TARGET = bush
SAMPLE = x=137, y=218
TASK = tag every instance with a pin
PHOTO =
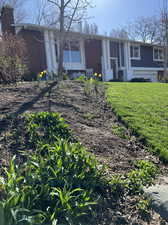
x=140, y=79
x=12, y=59
x=116, y=80
x=46, y=127
x=133, y=182
x=82, y=78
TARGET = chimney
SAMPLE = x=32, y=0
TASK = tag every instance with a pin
x=7, y=20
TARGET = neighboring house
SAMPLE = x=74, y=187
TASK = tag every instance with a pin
x=112, y=57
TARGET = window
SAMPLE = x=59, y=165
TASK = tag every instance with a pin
x=158, y=54
x=72, y=52
x=135, y=52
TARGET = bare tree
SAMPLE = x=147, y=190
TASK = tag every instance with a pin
x=45, y=14
x=119, y=33
x=18, y=5
x=69, y=12
x=145, y=29
x=90, y=28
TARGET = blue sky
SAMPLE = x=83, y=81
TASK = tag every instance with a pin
x=109, y=14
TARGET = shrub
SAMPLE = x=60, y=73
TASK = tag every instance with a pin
x=134, y=181
x=12, y=59
x=81, y=78
x=116, y=80
x=140, y=79
x=46, y=127
x=142, y=176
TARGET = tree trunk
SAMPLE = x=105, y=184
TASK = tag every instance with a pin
x=61, y=47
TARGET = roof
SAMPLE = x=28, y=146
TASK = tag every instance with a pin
x=84, y=35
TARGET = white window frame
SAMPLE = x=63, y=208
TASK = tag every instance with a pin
x=139, y=51
x=70, y=55
x=158, y=60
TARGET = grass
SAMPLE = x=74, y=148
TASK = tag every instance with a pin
x=143, y=107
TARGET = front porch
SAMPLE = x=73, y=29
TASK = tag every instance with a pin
x=82, y=54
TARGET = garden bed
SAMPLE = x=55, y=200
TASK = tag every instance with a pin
x=91, y=121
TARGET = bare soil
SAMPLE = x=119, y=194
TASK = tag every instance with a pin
x=91, y=120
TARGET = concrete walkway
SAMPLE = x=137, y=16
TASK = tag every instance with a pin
x=159, y=196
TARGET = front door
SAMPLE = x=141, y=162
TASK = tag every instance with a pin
x=114, y=67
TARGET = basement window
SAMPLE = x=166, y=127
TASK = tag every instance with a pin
x=158, y=54
x=72, y=53
x=135, y=52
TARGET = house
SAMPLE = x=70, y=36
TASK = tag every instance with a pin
x=114, y=58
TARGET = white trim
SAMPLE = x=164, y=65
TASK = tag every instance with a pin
x=139, y=51
x=78, y=65
x=122, y=68
x=106, y=71
x=53, y=52
x=117, y=68
x=157, y=60
x=82, y=49
x=120, y=56
x=104, y=60
x=102, y=37
x=108, y=54
x=128, y=70
x=17, y=29
x=129, y=56
x=148, y=68
x=47, y=50
x=126, y=56
x=147, y=74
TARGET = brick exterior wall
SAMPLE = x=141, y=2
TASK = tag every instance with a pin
x=36, y=57
x=93, y=54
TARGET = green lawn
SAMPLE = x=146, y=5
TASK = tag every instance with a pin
x=144, y=108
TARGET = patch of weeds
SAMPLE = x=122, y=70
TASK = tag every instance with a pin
x=65, y=77
x=91, y=87
x=81, y=78
x=46, y=127
x=89, y=116
x=143, y=175
x=120, y=131
x=63, y=85
x=134, y=181
x=144, y=207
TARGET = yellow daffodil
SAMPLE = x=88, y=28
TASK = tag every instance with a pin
x=100, y=75
x=95, y=74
